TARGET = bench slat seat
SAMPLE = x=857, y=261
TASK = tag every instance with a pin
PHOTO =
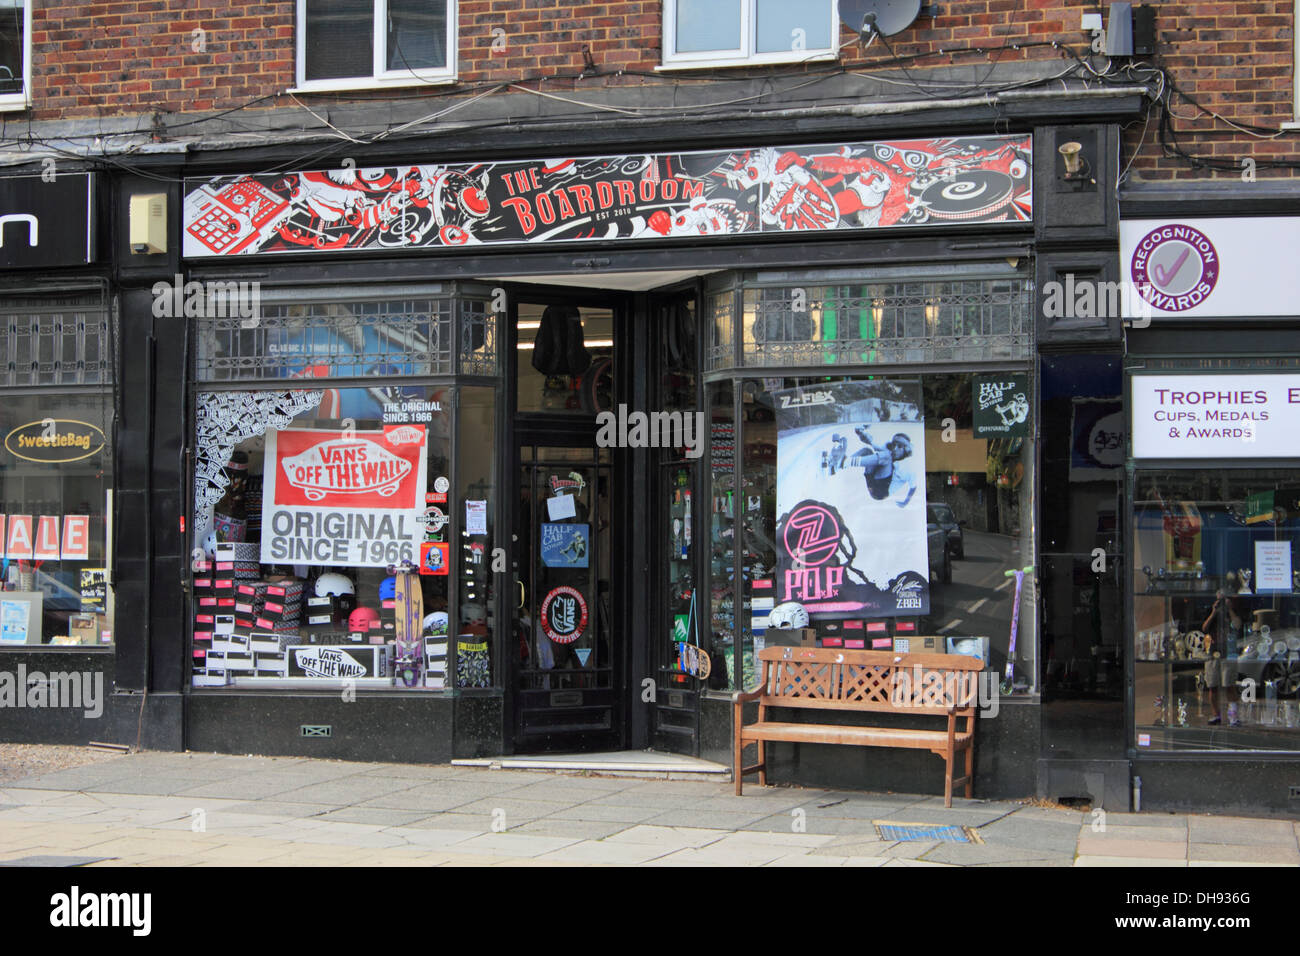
x=862, y=736
x=824, y=680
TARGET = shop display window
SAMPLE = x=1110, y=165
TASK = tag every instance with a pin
x=56, y=518
x=882, y=513
x=323, y=524
x=1216, y=605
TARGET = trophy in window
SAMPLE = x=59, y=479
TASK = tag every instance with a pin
x=1245, y=575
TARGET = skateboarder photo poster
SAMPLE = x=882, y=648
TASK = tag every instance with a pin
x=851, y=532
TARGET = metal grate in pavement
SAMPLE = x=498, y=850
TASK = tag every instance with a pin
x=924, y=832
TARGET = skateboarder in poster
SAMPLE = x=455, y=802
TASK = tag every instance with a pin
x=883, y=468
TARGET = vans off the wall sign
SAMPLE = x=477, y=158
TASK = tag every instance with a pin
x=979, y=179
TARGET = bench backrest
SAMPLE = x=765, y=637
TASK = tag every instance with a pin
x=869, y=680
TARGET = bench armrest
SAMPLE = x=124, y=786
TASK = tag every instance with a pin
x=740, y=696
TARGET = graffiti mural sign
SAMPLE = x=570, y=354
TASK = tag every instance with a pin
x=867, y=185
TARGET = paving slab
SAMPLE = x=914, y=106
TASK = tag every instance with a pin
x=512, y=844
x=377, y=816
x=1240, y=831
x=605, y=852
x=573, y=829
x=602, y=814
x=968, y=854
x=1098, y=860
x=1254, y=853
x=1100, y=844
x=1032, y=833
x=1160, y=834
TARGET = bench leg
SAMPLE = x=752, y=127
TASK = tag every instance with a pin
x=762, y=763
x=947, y=780
x=738, y=773
x=970, y=771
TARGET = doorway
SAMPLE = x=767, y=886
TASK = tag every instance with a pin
x=567, y=682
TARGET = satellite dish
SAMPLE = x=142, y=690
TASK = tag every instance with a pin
x=889, y=16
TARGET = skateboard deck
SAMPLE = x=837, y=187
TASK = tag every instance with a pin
x=693, y=660
x=408, y=602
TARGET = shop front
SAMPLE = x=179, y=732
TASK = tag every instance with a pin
x=1214, y=495
x=57, y=607
x=536, y=456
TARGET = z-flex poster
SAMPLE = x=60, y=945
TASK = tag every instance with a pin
x=344, y=498
x=851, y=533
x=864, y=185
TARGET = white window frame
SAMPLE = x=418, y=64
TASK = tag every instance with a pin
x=379, y=78
x=10, y=102
x=1295, y=70
x=745, y=55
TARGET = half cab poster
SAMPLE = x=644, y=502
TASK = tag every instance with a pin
x=864, y=185
x=851, y=533
x=343, y=498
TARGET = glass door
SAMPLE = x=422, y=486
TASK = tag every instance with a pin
x=567, y=693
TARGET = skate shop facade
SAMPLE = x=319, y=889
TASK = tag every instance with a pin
x=1210, y=381
x=58, y=461
x=468, y=452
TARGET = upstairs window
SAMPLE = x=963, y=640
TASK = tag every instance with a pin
x=704, y=33
x=15, y=53
x=348, y=44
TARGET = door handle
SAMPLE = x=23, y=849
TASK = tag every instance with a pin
x=522, y=599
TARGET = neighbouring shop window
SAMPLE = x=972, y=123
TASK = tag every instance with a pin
x=323, y=527
x=56, y=510
x=737, y=32
x=1216, y=614
x=354, y=43
x=15, y=53
x=881, y=512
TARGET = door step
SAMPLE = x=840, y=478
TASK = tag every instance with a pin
x=623, y=763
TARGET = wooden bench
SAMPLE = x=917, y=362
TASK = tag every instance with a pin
x=828, y=680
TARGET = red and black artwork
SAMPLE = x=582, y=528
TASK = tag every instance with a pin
x=729, y=193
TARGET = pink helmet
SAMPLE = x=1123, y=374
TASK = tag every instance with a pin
x=362, y=619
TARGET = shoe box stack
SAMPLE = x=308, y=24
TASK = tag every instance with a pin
x=435, y=662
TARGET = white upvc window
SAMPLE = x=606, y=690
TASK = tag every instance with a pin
x=15, y=54
x=360, y=44
x=707, y=33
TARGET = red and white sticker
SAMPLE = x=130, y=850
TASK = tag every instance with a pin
x=564, y=615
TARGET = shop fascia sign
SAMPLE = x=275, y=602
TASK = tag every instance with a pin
x=747, y=191
x=47, y=220
x=1215, y=416
x=1210, y=267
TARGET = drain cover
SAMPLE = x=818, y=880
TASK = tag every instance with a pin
x=925, y=832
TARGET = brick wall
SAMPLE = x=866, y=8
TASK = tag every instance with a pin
x=138, y=57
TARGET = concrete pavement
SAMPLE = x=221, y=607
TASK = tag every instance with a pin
x=159, y=809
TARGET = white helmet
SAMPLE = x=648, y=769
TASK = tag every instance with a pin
x=435, y=624
x=334, y=584
x=787, y=615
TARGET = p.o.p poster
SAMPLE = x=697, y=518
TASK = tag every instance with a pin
x=851, y=533
x=343, y=498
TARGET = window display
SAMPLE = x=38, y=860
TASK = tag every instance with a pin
x=873, y=508
x=56, y=519
x=1216, y=612
x=322, y=524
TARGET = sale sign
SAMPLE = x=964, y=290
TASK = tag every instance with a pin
x=45, y=537
x=343, y=498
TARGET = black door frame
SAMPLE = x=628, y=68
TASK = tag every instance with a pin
x=628, y=565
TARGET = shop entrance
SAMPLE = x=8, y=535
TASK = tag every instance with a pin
x=567, y=694
x=567, y=680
